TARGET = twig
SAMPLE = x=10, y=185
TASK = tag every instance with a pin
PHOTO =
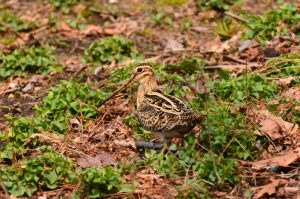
x=243, y=148
x=236, y=17
x=232, y=66
x=214, y=163
x=235, y=59
x=216, y=172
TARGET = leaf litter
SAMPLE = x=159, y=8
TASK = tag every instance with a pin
x=106, y=140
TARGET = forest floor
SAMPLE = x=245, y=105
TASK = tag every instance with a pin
x=238, y=62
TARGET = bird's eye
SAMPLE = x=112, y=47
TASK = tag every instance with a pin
x=139, y=70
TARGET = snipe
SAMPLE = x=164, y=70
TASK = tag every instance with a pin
x=164, y=115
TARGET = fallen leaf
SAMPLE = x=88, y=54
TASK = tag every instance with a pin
x=283, y=160
x=291, y=190
x=268, y=189
x=221, y=47
x=87, y=162
x=28, y=87
x=252, y=53
x=248, y=44
x=75, y=124
x=173, y=45
x=97, y=161
x=275, y=127
x=285, y=81
x=293, y=93
x=106, y=158
x=125, y=143
x=92, y=30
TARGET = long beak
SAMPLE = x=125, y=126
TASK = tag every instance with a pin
x=117, y=91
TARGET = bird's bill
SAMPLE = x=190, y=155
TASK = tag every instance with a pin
x=129, y=81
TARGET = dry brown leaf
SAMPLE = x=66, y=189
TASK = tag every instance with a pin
x=98, y=30
x=126, y=143
x=50, y=138
x=293, y=93
x=92, y=30
x=283, y=160
x=291, y=190
x=275, y=127
x=87, y=162
x=76, y=124
x=247, y=44
x=173, y=45
x=221, y=47
x=268, y=189
x=65, y=30
x=97, y=161
x=285, y=81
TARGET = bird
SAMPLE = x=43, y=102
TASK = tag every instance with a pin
x=164, y=115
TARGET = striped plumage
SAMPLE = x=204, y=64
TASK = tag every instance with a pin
x=164, y=115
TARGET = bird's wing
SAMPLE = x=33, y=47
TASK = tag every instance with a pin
x=163, y=113
x=167, y=103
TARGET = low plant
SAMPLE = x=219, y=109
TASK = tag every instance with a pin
x=49, y=170
x=283, y=66
x=275, y=22
x=162, y=18
x=186, y=24
x=66, y=100
x=216, y=4
x=227, y=28
x=240, y=89
x=108, y=49
x=98, y=182
x=9, y=21
x=21, y=129
x=40, y=60
x=64, y=5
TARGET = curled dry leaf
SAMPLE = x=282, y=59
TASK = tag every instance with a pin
x=293, y=93
x=268, y=189
x=285, y=81
x=275, y=127
x=283, y=160
x=76, y=124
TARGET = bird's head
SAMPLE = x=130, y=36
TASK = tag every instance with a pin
x=142, y=73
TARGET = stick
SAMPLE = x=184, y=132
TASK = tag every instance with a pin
x=235, y=59
x=236, y=17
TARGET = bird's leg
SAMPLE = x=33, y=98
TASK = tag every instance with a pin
x=148, y=145
x=165, y=147
x=166, y=143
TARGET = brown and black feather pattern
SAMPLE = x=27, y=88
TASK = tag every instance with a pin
x=166, y=115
